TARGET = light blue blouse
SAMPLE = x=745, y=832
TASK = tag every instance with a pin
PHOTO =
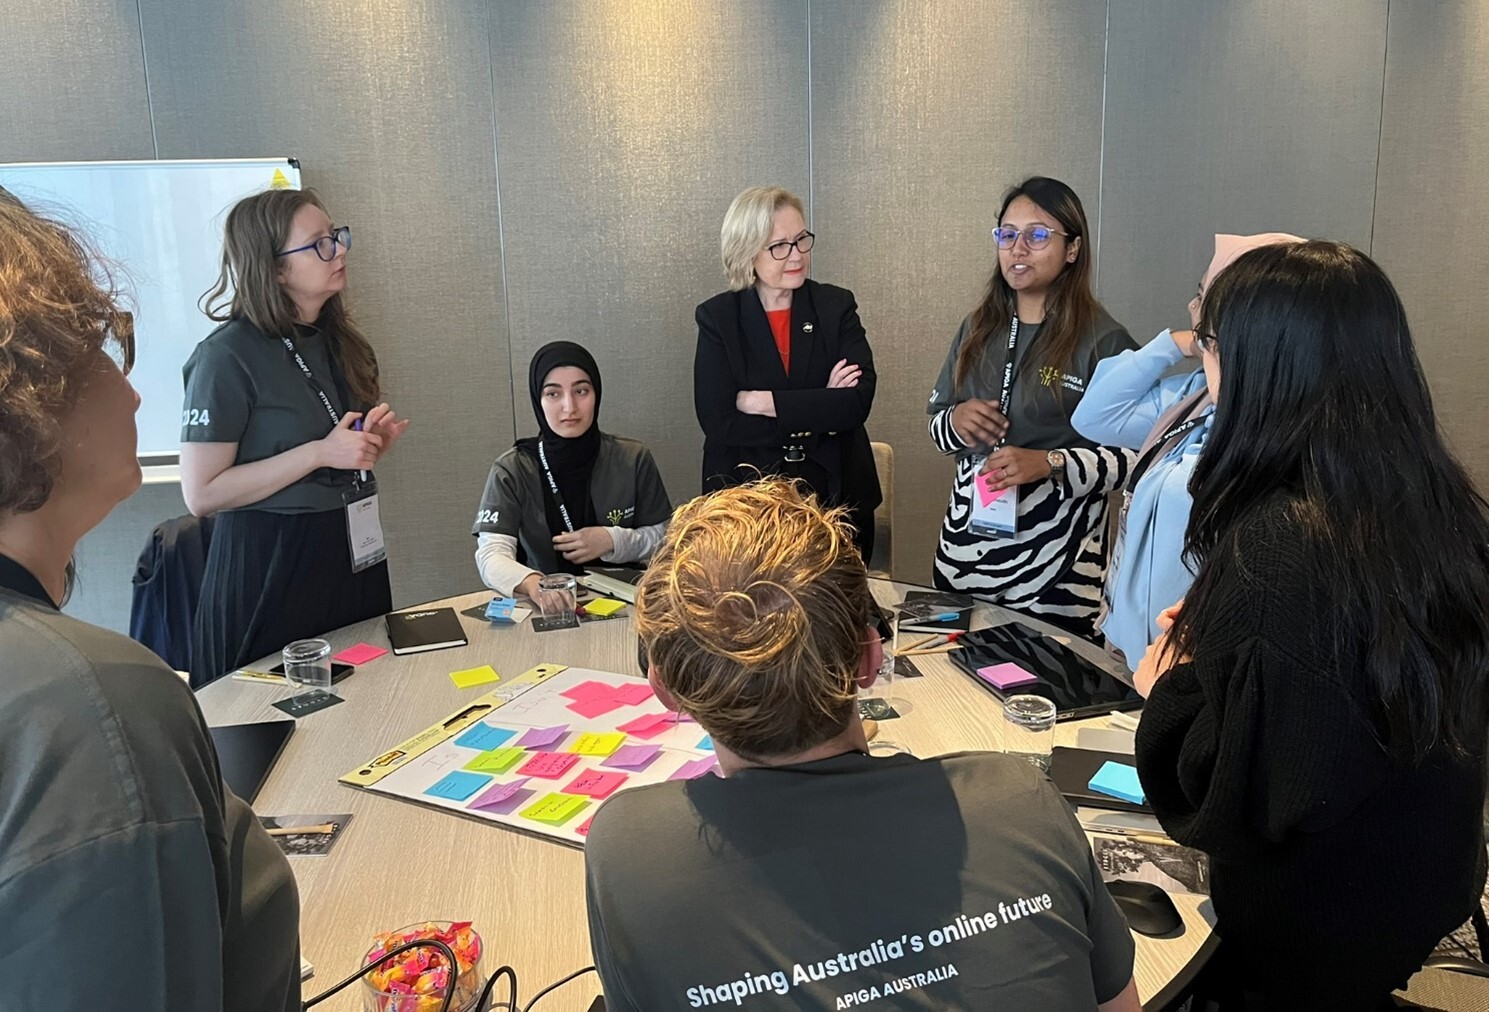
x=1126, y=396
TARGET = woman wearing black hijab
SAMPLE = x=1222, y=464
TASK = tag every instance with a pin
x=572, y=495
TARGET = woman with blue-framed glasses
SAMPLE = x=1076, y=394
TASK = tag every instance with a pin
x=281, y=428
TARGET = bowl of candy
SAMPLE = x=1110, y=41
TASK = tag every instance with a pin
x=416, y=980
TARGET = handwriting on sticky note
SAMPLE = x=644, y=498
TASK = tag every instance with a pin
x=634, y=757
x=555, y=809
x=597, y=743
x=583, y=828
x=359, y=654
x=986, y=494
x=596, y=706
x=497, y=760
x=457, y=786
x=471, y=677
x=603, y=607
x=596, y=784
x=543, y=737
x=484, y=736
x=502, y=798
x=549, y=765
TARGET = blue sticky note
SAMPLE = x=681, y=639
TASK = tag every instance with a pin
x=707, y=742
x=458, y=786
x=485, y=737
x=1118, y=780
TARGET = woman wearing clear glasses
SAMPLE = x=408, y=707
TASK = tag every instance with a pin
x=1026, y=522
x=783, y=378
x=281, y=427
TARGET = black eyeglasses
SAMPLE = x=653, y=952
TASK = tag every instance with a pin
x=1037, y=236
x=325, y=246
x=781, y=250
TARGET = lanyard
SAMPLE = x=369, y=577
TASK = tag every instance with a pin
x=1003, y=397
x=1146, y=460
x=320, y=392
x=558, y=498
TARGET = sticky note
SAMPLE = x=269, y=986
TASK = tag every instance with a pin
x=597, y=743
x=549, y=765
x=648, y=726
x=986, y=494
x=596, y=784
x=484, y=736
x=589, y=690
x=502, y=798
x=603, y=607
x=696, y=768
x=471, y=677
x=359, y=654
x=634, y=694
x=543, y=737
x=1006, y=676
x=497, y=760
x=500, y=609
x=555, y=809
x=633, y=757
x=457, y=786
x=707, y=742
x=595, y=707
x=1118, y=780
x=583, y=828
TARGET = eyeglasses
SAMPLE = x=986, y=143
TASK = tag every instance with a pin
x=325, y=246
x=1037, y=236
x=781, y=250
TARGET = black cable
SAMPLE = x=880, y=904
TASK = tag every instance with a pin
x=511, y=976
x=420, y=943
x=555, y=986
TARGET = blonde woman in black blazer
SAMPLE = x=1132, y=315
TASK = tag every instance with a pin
x=783, y=378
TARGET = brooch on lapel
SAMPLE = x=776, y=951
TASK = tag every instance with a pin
x=806, y=328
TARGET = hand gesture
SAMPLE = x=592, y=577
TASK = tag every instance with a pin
x=1013, y=465
x=584, y=545
x=346, y=449
x=845, y=374
x=383, y=423
x=979, y=422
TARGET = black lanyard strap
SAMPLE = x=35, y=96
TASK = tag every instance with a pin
x=319, y=390
x=1004, y=396
x=558, y=498
x=1152, y=453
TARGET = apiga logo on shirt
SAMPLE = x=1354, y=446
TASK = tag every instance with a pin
x=615, y=516
x=1049, y=375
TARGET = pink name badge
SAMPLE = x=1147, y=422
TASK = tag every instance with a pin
x=1006, y=676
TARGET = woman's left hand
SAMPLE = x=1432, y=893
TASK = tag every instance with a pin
x=383, y=422
x=1160, y=658
x=584, y=545
x=1013, y=465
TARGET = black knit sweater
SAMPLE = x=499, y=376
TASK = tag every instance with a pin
x=1336, y=868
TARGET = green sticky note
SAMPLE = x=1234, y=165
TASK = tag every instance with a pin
x=471, y=677
x=496, y=760
x=555, y=809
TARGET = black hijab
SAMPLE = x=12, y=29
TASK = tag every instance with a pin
x=572, y=461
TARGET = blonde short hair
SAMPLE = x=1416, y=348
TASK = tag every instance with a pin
x=746, y=230
x=754, y=614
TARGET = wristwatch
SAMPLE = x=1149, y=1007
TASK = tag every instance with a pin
x=1056, y=460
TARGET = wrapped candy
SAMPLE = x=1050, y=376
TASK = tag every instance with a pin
x=416, y=980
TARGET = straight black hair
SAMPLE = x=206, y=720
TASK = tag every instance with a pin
x=1322, y=398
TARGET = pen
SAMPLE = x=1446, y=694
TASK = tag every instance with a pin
x=325, y=829
x=1128, y=832
x=266, y=677
x=357, y=427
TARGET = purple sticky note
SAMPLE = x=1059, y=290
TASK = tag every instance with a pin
x=634, y=694
x=503, y=798
x=633, y=757
x=543, y=739
x=1006, y=676
x=694, y=769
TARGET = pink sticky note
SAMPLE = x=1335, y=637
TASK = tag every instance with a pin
x=503, y=798
x=595, y=784
x=595, y=706
x=694, y=769
x=986, y=494
x=589, y=690
x=647, y=726
x=359, y=654
x=549, y=765
x=583, y=828
x=634, y=694
x=634, y=757
x=543, y=738
x=1006, y=676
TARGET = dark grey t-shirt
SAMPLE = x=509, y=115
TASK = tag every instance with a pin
x=130, y=876
x=244, y=387
x=625, y=487
x=1042, y=401
x=958, y=882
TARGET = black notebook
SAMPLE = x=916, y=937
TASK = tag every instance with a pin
x=414, y=632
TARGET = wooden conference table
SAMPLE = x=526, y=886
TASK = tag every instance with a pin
x=399, y=862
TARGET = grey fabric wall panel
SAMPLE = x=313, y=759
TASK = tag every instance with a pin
x=623, y=131
x=1231, y=116
x=73, y=80
x=1432, y=206
x=389, y=108
x=922, y=115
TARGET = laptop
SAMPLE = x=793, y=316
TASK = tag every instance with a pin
x=247, y=752
x=1078, y=687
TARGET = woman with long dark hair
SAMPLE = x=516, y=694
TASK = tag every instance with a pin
x=1026, y=522
x=281, y=427
x=1316, y=709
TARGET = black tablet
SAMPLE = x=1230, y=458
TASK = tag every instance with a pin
x=1072, y=769
x=1079, y=687
x=247, y=752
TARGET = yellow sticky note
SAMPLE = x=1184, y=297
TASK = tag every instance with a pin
x=604, y=606
x=496, y=760
x=598, y=742
x=555, y=809
x=471, y=677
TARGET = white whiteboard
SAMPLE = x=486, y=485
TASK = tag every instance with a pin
x=162, y=222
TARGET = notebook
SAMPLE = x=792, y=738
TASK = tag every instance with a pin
x=917, y=614
x=247, y=752
x=425, y=629
x=613, y=582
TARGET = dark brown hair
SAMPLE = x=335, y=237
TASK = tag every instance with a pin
x=248, y=285
x=1070, y=308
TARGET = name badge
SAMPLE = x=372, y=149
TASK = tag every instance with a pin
x=364, y=527
x=995, y=512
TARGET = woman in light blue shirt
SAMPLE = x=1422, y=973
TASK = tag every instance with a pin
x=1139, y=400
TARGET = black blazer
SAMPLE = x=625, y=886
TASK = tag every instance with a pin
x=737, y=351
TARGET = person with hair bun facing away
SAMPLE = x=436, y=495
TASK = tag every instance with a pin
x=756, y=620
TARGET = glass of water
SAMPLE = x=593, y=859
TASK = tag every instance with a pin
x=307, y=664
x=1029, y=729
x=557, y=597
